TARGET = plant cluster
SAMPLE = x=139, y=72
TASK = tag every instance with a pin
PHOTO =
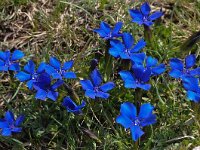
x=47, y=78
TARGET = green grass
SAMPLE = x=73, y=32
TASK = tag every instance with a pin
x=64, y=29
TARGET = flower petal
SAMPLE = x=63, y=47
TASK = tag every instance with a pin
x=148, y=121
x=136, y=132
x=128, y=40
x=70, y=75
x=145, y=8
x=193, y=96
x=145, y=110
x=41, y=67
x=22, y=76
x=19, y=120
x=124, y=121
x=6, y=132
x=190, y=83
x=52, y=95
x=86, y=84
x=102, y=95
x=96, y=77
x=136, y=16
x=105, y=27
x=129, y=110
x=151, y=62
x=175, y=73
x=128, y=79
x=3, y=55
x=9, y=117
x=55, y=62
x=16, y=130
x=140, y=44
x=17, y=54
x=107, y=86
x=30, y=67
x=117, y=28
x=195, y=72
x=68, y=65
x=155, y=15
x=176, y=64
x=190, y=61
x=41, y=94
x=90, y=93
x=14, y=67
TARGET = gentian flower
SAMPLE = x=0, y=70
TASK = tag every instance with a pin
x=44, y=87
x=152, y=64
x=107, y=33
x=69, y=104
x=94, y=88
x=9, y=124
x=191, y=85
x=128, y=118
x=10, y=62
x=136, y=78
x=29, y=74
x=57, y=71
x=127, y=49
x=178, y=70
x=143, y=15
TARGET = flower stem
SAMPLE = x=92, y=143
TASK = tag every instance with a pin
x=108, y=61
x=72, y=93
x=138, y=97
x=147, y=34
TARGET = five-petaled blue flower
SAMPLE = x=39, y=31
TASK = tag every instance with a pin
x=71, y=106
x=127, y=49
x=29, y=74
x=143, y=15
x=191, y=85
x=8, y=62
x=106, y=32
x=57, y=71
x=8, y=124
x=44, y=87
x=128, y=118
x=94, y=88
x=136, y=78
x=152, y=64
x=178, y=70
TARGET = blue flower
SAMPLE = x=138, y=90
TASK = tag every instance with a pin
x=94, y=88
x=136, y=78
x=69, y=104
x=151, y=64
x=29, y=74
x=8, y=62
x=143, y=15
x=44, y=87
x=127, y=49
x=128, y=118
x=106, y=32
x=178, y=70
x=9, y=124
x=57, y=71
x=191, y=85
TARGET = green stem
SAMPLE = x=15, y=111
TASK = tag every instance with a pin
x=138, y=98
x=147, y=34
x=108, y=61
x=72, y=93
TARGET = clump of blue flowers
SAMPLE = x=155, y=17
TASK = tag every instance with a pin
x=10, y=61
x=93, y=87
x=142, y=16
x=9, y=124
x=128, y=118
